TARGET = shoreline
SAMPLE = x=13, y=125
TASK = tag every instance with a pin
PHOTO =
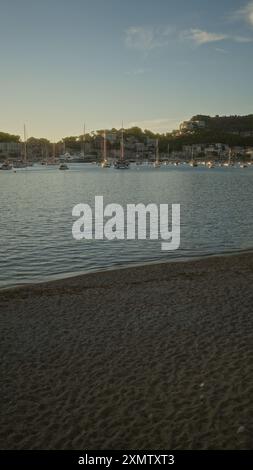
x=119, y=267
x=156, y=356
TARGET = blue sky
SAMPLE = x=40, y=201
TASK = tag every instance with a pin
x=148, y=63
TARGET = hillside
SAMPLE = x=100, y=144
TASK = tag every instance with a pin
x=227, y=124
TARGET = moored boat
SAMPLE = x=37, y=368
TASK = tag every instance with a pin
x=105, y=163
x=63, y=166
x=122, y=164
x=157, y=162
x=6, y=166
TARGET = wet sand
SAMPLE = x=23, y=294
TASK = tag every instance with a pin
x=154, y=357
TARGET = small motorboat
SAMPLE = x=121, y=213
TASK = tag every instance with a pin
x=6, y=166
x=105, y=164
x=20, y=164
x=121, y=165
x=63, y=166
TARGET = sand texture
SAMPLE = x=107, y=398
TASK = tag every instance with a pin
x=154, y=357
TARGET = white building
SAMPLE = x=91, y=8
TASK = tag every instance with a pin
x=191, y=126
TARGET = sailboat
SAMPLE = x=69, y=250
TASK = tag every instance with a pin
x=63, y=166
x=52, y=161
x=157, y=163
x=229, y=163
x=193, y=162
x=105, y=163
x=23, y=162
x=122, y=164
x=82, y=159
x=45, y=152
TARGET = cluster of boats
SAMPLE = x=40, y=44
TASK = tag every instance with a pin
x=121, y=163
x=15, y=165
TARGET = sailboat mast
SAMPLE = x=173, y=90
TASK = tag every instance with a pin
x=157, y=151
x=105, y=145
x=25, y=145
x=46, y=152
x=122, y=142
x=83, y=143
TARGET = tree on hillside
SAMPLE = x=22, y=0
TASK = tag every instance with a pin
x=5, y=137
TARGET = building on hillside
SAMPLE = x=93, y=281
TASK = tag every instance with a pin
x=10, y=150
x=191, y=126
x=112, y=137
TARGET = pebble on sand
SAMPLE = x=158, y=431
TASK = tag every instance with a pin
x=241, y=429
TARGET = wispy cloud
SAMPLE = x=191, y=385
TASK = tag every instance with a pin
x=200, y=37
x=245, y=13
x=146, y=38
x=204, y=37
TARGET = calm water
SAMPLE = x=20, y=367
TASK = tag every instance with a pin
x=36, y=216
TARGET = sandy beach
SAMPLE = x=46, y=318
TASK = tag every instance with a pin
x=152, y=357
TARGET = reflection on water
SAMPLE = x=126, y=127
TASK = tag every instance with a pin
x=36, y=221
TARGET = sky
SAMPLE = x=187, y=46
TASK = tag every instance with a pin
x=150, y=63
